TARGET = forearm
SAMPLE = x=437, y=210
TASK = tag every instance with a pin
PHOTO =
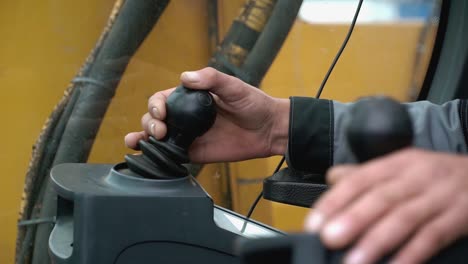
x=310, y=145
x=317, y=131
x=436, y=127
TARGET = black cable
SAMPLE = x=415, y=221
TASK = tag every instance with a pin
x=254, y=204
x=343, y=46
x=317, y=96
x=122, y=37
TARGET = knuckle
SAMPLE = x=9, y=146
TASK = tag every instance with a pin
x=328, y=204
x=357, y=215
x=414, y=153
x=150, y=102
x=388, y=195
x=212, y=75
x=321, y=205
x=210, y=72
x=159, y=130
x=377, y=242
x=352, y=182
x=156, y=103
x=144, y=120
x=210, y=69
x=410, y=151
x=153, y=98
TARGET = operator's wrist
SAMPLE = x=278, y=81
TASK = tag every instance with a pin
x=311, y=135
x=280, y=129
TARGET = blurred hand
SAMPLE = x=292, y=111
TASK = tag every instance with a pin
x=413, y=200
x=249, y=123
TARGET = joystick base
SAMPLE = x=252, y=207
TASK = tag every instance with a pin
x=107, y=215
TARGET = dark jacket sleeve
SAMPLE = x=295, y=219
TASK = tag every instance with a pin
x=317, y=131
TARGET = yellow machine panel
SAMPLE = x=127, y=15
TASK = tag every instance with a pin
x=44, y=43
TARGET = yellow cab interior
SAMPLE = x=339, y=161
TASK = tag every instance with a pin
x=44, y=43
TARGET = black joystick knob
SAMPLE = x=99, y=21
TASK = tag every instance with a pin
x=378, y=126
x=190, y=113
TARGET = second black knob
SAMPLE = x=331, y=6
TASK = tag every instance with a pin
x=378, y=126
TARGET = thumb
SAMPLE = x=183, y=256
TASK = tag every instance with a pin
x=226, y=87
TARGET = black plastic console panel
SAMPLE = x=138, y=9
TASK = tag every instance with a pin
x=106, y=214
x=295, y=188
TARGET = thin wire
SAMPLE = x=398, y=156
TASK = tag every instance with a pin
x=317, y=96
x=254, y=204
x=343, y=46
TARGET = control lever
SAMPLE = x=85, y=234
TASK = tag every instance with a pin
x=190, y=113
x=147, y=209
x=378, y=126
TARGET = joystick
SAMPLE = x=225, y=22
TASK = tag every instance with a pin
x=149, y=208
x=190, y=113
x=378, y=126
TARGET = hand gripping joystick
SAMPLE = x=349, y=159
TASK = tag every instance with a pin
x=378, y=126
x=148, y=209
x=190, y=113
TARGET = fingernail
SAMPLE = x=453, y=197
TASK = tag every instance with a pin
x=334, y=231
x=314, y=222
x=152, y=128
x=126, y=140
x=191, y=77
x=156, y=113
x=356, y=256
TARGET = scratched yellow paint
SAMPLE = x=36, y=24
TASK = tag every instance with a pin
x=42, y=46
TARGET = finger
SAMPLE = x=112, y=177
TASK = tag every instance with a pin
x=384, y=236
x=228, y=88
x=157, y=104
x=369, y=207
x=153, y=127
x=435, y=236
x=131, y=139
x=351, y=187
x=338, y=172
